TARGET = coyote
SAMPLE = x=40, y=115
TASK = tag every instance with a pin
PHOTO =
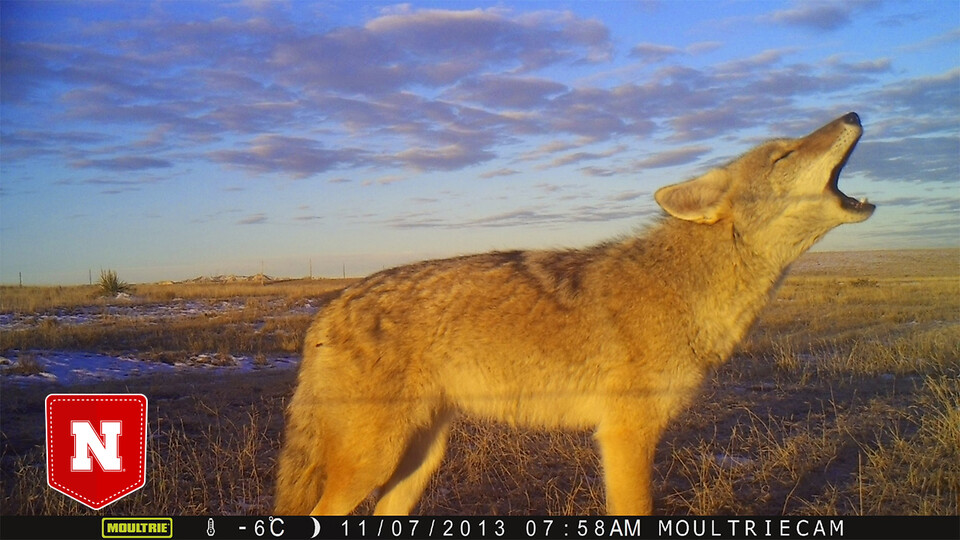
x=616, y=337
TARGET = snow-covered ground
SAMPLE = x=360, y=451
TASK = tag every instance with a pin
x=70, y=368
x=142, y=313
x=73, y=367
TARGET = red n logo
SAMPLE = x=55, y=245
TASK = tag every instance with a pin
x=96, y=446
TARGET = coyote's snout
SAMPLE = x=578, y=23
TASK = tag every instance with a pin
x=617, y=337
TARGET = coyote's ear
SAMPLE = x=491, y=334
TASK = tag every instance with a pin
x=700, y=200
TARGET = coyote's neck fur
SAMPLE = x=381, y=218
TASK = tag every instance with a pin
x=707, y=276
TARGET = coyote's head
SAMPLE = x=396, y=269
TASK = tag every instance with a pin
x=782, y=194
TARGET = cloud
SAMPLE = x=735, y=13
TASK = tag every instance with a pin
x=38, y=137
x=880, y=65
x=111, y=186
x=600, y=172
x=936, y=206
x=494, y=36
x=704, y=47
x=818, y=15
x=760, y=62
x=595, y=114
x=123, y=163
x=24, y=144
x=577, y=157
x=937, y=95
x=653, y=53
x=253, y=117
x=628, y=196
x=950, y=36
x=254, y=219
x=434, y=48
x=298, y=156
x=671, y=158
x=499, y=172
x=447, y=158
x=914, y=159
x=384, y=180
x=530, y=217
x=502, y=91
x=545, y=150
x=708, y=123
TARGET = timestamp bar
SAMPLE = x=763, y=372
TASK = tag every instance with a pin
x=493, y=527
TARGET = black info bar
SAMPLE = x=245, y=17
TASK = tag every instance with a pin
x=492, y=527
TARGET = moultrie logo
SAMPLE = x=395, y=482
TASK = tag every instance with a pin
x=96, y=446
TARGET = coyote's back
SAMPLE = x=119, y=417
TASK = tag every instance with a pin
x=617, y=337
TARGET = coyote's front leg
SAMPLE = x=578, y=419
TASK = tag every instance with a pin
x=626, y=452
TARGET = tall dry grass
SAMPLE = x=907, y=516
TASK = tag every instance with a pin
x=210, y=448
x=42, y=299
x=261, y=319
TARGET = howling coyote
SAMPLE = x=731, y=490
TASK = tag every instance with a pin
x=616, y=337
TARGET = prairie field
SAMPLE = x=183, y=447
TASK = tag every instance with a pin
x=844, y=400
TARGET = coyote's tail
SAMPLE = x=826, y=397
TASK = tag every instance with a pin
x=300, y=476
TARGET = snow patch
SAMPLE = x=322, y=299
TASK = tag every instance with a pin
x=70, y=367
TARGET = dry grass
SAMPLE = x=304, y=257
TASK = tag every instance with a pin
x=26, y=364
x=260, y=318
x=844, y=400
x=210, y=448
x=43, y=299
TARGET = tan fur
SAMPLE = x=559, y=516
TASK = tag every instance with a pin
x=617, y=337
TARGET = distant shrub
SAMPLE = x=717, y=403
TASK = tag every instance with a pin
x=110, y=284
x=26, y=364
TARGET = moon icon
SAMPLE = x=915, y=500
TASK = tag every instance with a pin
x=316, y=527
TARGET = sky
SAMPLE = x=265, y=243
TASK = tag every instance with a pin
x=169, y=140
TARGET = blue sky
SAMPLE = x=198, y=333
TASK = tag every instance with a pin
x=167, y=140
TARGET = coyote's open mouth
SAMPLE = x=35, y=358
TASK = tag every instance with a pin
x=847, y=202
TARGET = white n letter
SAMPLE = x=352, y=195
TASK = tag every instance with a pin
x=86, y=440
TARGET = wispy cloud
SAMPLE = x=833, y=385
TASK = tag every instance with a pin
x=577, y=157
x=254, y=219
x=506, y=91
x=653, y=53
x=528, y=217
x=298, y=156
x=499, y=172
x=671, y=158
x=123, y=163
x=926, y=159
x=821, y=16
